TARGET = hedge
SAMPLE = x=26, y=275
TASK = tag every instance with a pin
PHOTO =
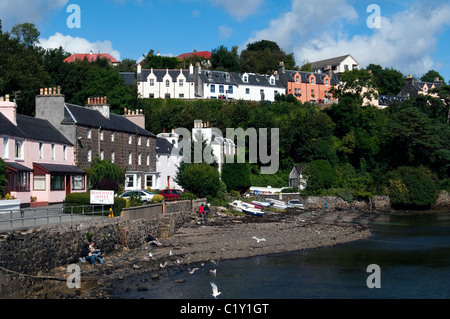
x=76, y=200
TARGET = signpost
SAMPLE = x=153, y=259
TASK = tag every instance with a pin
x=102, y=197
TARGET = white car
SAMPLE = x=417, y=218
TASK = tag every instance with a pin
x=295, y=203
x=145, y=196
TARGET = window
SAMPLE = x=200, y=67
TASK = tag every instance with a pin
x=77, y=182
x=213, y=88
x=181, y=96
x=312, y=80
x=139, y=140
x=18, y=150
x=130, y=159
x=148, y=142
x=167, y=83
x=130, y=139
x=102, y=155
x=5, y=147
x=245, y=78
x=113, y=157
x=247, y=91
x=297, y=79
x=64, y=152
x=129, y=181
x=57, y=182
x=312, y=93
x=346, y=67
x=39, y=182
x=149, y=181
x=230, y=89
x=221, y=90
x=41, y=150
x=181, y=82
x=148, y=160
x=227, y=77
x=140, y=159
x=89, y=156
x=89, y=133
x=21, y=182
x=112, y=136
x=53, y=149
x=152, y=82
x=272, y=81
x=326, y=82
x=101, y=135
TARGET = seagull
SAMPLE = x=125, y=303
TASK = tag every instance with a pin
x=215, y=290
x=191, y=271
x=213, y=271
x=151, y=256
x=258, y=239
x=170, y=253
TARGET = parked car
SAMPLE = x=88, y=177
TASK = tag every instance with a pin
x=145, y=196
x=295, y=203
x=171, y=194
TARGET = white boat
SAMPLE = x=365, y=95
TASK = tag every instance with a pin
x=277, y=203
x=295, y=203
x=239, y=206
x=264, y=204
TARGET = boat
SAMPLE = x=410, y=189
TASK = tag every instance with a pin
x=253, y=211
x=295, y=203
x=277, y=203
x=252, y=204
x=240, y=207
x=264, y=204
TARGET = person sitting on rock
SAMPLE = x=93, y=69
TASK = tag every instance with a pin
x=88, y=256
x=151, y=240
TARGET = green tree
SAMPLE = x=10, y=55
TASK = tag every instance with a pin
x=431, y=76
x=264, y=57
x=389, y=81
x=225, y=60
x=160, y=62
x=102, y=170
x=26, y=33
x=200, y=179
x=320, y=176
x=411, y=187
x=236, y=176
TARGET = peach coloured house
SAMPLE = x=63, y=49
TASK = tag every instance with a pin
x=307, y=86
x=39, y=159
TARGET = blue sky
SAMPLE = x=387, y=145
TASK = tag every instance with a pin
x=413, y=36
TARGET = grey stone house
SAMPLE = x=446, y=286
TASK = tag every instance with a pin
x=97, y=133
x=296, y=178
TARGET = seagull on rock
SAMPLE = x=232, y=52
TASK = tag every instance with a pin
x=258, y=239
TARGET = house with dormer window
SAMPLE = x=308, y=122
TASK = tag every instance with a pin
x=165, y=83
x=307, y=86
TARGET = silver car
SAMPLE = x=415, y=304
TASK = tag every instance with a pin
x=145, y=196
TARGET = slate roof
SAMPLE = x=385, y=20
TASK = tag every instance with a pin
x=75, y=114
x=164, y=147
x=160, y=73
x=257, y=80
x=32, y=128
x=332, y=61
x=320, y=77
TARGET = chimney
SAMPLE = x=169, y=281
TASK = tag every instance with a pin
x=50, y=105
x=8, y=109
x=437, y=80
x=281, y=68
x=198, y=68
x=137, y=117
x=191, y=69
x=99, y=104
x=409, y=80
x=139, y=68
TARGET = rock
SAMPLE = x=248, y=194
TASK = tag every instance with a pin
x=179, y=281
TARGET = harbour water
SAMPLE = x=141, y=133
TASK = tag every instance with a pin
x=412, y=252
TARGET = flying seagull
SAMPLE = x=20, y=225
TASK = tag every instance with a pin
x=215, y=290
x=258, y=239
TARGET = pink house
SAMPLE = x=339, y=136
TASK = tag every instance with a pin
x=39, y=159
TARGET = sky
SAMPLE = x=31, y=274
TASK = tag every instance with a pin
x=412, y=36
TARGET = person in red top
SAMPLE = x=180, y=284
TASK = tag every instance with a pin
x=201, y=212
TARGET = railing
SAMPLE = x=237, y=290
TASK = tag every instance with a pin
x=34, y=217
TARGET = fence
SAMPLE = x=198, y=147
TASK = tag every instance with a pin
x=58, y=214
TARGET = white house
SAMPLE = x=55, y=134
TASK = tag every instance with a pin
x=255, y=87
x=335, y=65
x=165, y=83
x=168, y=159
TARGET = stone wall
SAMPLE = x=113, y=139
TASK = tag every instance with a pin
x=41, y=249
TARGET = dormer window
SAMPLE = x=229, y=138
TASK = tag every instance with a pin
x=209, y=74
x=167, y=83
x=272, y=81
x=227, y=76
x=245, y=78
x=312, y=80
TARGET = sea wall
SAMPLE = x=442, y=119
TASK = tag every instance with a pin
x=37, y=250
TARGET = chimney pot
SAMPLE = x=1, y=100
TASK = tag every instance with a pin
x=41, y=91
x=7, y=97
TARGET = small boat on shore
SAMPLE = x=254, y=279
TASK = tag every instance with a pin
x=264, y=204
x=252, y=204
x=247, y=209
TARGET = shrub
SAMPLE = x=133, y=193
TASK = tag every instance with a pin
x=411, y=187
x=157, y=199
x=185, y=196
x=346, y=195
x=108, y=184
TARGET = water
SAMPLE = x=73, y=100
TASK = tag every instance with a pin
x=413, y=253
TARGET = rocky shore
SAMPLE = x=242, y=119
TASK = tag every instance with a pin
x=221, y=237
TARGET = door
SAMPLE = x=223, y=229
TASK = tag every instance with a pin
x=68, y=185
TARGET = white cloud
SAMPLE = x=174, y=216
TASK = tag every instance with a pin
x=78, y=45
x=404, y=42
x=316, y=31
x=21, y=11
x=238, y=8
